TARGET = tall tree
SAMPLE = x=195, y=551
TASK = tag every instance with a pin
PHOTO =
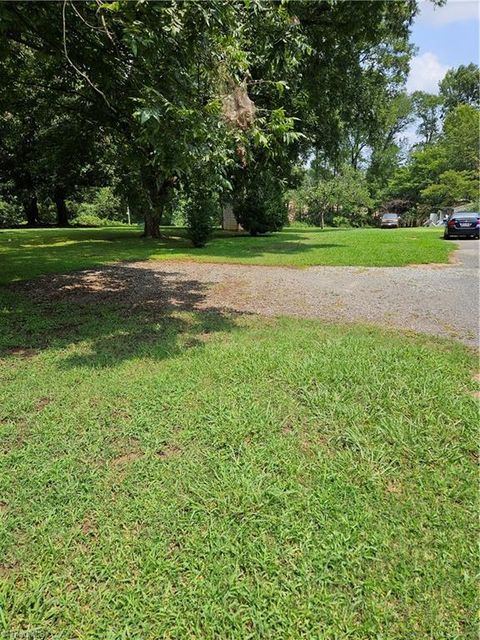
x=427, y=109
x=158, y=79
x=444, y=172
x=386, y=153
x=461, y=86
x=461, y=138
x=357, y=61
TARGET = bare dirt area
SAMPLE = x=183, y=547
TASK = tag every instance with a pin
x=443, y=300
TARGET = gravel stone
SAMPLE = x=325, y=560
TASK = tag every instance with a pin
x=435, y=299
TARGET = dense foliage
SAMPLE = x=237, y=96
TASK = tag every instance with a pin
x=342, y=199
x=259, y=203
x=143, y=97
x=443, y=173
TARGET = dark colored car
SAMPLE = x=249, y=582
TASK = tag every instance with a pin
x=390, y=221
x=463, y=224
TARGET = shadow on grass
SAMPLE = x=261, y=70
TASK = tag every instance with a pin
x=45, y=251
x=100, y=318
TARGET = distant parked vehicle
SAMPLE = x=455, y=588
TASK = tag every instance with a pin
x=390, y=221
x=463, y=224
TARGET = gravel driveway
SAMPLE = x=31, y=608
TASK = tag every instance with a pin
x=435, y=299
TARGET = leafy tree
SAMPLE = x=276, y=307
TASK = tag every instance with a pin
x=461, y=86
x=259, y=205
x=337, y=199
x=45, y=153
x=445, y=172
x=423, y=168
x=386, y=148
x=452, y=188
x=426, y=108
x=114, y=51
x=461, y=138
x=357, y=61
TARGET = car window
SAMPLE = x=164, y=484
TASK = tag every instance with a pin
x=390, y=216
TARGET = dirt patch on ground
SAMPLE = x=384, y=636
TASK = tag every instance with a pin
x=42, y=403
x=394, y=488
x=168, y=452
x=119, y=284
x=120, y=414
x=8, y=567
x=21, y=352
x=127, y=457
x=127, y=450
x=88, y=527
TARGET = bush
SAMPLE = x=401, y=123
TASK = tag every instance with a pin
x=11, y=214
x=102, y=203
x=86, y=219
x=200, y=211
x=341, y=221
x=262, y=207
x=109, y=205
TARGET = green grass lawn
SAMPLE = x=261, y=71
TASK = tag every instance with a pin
x=215, y=476
x=28, y=253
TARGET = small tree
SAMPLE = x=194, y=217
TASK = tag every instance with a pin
x=260, y=206
x=335, y=199
x=201, y=210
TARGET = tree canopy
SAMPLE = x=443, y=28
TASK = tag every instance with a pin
x=200, y=97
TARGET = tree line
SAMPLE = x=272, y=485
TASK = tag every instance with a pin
x=384, y=171
x=200, y=104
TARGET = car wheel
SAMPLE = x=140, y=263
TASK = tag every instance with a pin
x=446, y=236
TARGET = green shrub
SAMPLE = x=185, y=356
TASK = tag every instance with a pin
x=109, y=205
x=10, y=214
x=86, y=219
x=100, y=202
x=200, y=212
x=341, y=221
x=261, y=207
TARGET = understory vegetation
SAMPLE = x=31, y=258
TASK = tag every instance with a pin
x=179, y=474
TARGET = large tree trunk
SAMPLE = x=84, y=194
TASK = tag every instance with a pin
x=62, y=211
x=30, y=207
x=158, y=194
x=151, y=227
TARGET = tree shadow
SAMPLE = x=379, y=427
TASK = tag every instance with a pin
x=103, y=317
x=29, y=255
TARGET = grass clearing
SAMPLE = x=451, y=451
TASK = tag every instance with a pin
x=218, y=476
x=28, y=253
